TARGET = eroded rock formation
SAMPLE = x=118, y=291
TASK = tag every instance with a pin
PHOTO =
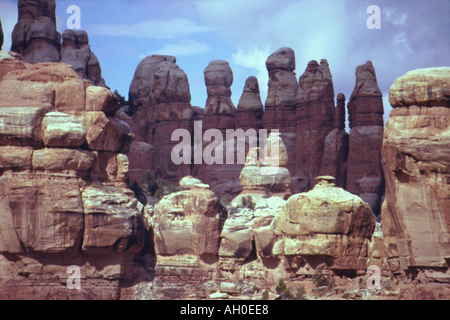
x=415, y=163
x=220, y=112
x=160, y=99
x=64, y=189
x=365, y=108
x=76, y=51
x=315, y=116
x=325, y=223
x=187, y=226
x=220, y=116
x=280, y=111
x=35, y=36
x=250, y=109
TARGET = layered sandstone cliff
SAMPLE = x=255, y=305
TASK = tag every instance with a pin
x=364, y=172
x=415, y=162
x=64, y=189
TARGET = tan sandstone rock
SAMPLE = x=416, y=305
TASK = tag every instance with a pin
x=415, y=163
x=326, y=221
x=421, y=87
x=10, y=61
x=61, y=130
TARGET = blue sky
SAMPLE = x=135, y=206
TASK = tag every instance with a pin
x=414, y=34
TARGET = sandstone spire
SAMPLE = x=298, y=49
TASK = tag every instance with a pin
x=220, y=111
x=280, y=103
x=76, y=52
x=364, y=172
x=35, y=36
x=315, y=115
x=250, y=108
x=160, y=101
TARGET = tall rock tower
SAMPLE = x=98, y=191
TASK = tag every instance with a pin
x=160, y=101
x=250, y=109
x=279, y=111
x=365, y=108
x=76, y=52
x=35, y=36
x=315, y=121
x=220, y=112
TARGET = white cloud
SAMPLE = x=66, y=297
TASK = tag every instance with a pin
x=393, y=17
x=254, y=59
x=154, y=29
x=184, y=48
x=9, y=16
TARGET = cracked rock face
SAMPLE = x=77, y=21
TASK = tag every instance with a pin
x=64, y=183
x=415, y=161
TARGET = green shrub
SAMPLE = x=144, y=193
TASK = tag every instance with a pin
x=225, y=201
x=265, y=295
x=247, y=202
x=322, y=280
x=281, y=286
x=300, y=293
x=286, y=294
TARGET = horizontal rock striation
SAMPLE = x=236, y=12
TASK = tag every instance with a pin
x=415, y=163
x=64, y=185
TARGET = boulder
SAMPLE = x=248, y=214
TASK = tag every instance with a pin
x=262, y=174
x=56, y=84
x=12, y=157
x=59, y=159
x=107, y=133
x=188, y=222
x=187, y=226
x=326, y=221
x=421, y=87
x=246, y=233
x=101, y=99
x=112, y=221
